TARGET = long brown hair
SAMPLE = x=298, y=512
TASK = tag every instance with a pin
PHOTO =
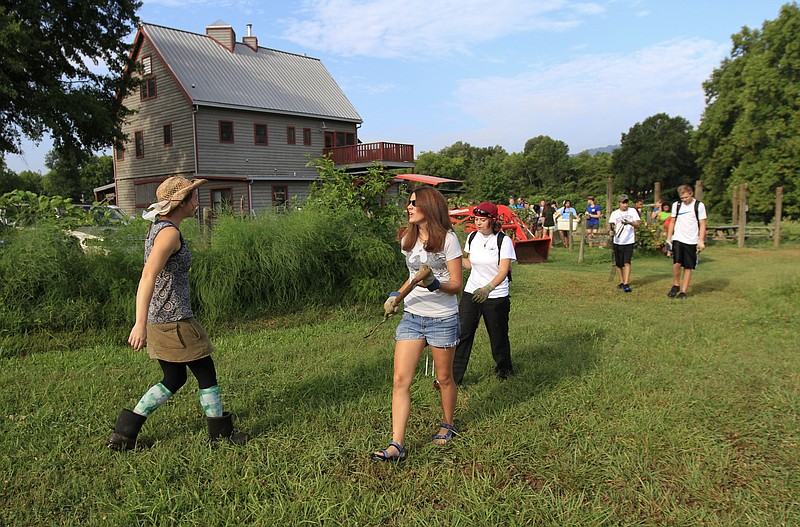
x=432, y=204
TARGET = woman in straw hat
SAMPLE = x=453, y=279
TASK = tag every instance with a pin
x=165, y=322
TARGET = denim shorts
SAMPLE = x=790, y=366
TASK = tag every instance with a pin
x=438, y=332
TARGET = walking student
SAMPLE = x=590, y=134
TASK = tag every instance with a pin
x=490, y=253
x=165, y=323
x=624, y=222
x=430, y=315
x=686, y=234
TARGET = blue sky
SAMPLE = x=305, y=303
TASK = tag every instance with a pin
x=490, y=72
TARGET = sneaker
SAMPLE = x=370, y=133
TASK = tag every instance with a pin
x=681, y=296
x=436, y=385
x=621, y=286
x=674, y=291
x=626, y=288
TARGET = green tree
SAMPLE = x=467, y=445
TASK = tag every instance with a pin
x=545, y=166
x=25, y=180
x=750, y=127
x=592, y=173
x=657, y=149
x=47, y=82
x=335, y=189
x=481, y=168
x=72, y=174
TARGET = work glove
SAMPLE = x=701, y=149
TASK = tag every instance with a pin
x=431, y=283
x=390, y=306
x=480, y=295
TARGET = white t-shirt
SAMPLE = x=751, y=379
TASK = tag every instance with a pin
x=624, y=234
x=485, y=264
x=420, y=301
x=687, y=228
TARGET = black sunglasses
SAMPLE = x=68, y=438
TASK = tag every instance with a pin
x=412, y=202
x=482, y=213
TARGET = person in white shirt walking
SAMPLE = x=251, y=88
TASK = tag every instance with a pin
x=490, y=253
x=624, y=222
x=686, y=234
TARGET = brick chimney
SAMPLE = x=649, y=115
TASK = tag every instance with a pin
x=223, y=33
x=250, y=41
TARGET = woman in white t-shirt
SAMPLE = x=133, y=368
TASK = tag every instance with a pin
x=430, y=315
x=486, y=294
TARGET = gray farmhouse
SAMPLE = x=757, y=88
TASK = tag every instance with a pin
x=242, y=116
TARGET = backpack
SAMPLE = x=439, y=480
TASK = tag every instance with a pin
x=500, y=236
x=696, y=211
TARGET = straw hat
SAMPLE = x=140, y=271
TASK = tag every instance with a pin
x=170, y=194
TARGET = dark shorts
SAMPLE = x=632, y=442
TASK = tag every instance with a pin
x=623, y=254
x=593, y=224
x=684, y=254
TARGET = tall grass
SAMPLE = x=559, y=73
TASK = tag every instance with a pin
x=274, y=264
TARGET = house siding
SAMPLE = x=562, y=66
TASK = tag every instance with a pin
x=245, y=158
x=170, y=106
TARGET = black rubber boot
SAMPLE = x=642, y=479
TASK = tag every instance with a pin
x=222, y=428
x=125, y=431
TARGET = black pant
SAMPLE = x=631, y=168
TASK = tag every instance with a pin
x=495, y=316
x=175, y=373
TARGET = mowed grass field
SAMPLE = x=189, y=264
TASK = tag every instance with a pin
x=626, y=409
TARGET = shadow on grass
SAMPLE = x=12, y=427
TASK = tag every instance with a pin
x=537, y=369
x=711, y=285
x=275, y=408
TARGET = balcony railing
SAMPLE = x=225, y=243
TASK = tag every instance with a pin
x=371, y=152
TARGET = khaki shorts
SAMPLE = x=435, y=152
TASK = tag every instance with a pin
x=181, y=341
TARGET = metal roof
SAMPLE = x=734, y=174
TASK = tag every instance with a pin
x=267, y=80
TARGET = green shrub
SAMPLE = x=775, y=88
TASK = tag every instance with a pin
x=281, y=262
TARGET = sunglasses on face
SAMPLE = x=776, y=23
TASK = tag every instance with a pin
x=412, y=202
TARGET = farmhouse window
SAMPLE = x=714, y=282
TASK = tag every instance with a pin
x=307, y=136
x=260, y=131
x=290, y=135
x=147, y=65
x=226, y=131
x=279, y=197
x=221, y=198
x=147, y=89
x=139, y=140
x=120, y=153
x=167, y=135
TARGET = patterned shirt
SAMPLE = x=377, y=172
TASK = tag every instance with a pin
x=170, y=301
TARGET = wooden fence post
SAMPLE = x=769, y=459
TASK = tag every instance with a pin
x=205, y=226
x=735, y=205
x=583, y=241
x=657, y=192
x=698, y=190
x=742, y=213
x=569, y=236
x=778, y=214
x=609, y=197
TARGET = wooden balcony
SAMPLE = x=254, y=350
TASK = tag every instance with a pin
x=390, y=155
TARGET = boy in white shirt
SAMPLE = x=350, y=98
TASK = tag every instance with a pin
x=623, y=222
x=686, y=236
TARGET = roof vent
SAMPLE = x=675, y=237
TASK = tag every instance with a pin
x=223, y=33
x=250, y=41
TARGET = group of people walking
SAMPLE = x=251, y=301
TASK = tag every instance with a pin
x=432, y=313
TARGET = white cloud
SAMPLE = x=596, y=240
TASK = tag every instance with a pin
x=591, y=100
x=420, y=29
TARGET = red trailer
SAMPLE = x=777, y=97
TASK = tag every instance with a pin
x=528, y=248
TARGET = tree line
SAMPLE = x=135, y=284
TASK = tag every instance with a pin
x=749, y=131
